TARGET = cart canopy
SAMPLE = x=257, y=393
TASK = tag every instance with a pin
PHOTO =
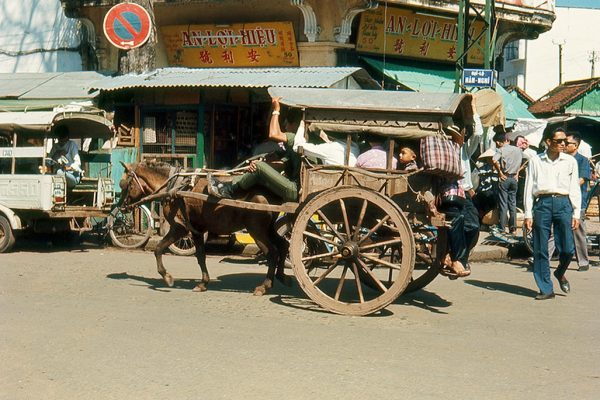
x=80, y=123
x=410, y=115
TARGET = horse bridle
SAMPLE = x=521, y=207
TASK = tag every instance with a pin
x=131, y=176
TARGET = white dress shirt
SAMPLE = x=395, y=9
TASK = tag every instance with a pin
x=545, y=176
x=467, y=150
x=332, y=153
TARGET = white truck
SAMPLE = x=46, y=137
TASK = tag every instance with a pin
x=33, y=199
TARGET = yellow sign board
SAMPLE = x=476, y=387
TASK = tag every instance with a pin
x=413, y=34
x=256, y=44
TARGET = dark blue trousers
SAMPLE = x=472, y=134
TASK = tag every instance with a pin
x=548, y=213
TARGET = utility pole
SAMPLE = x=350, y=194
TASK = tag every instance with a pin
x=560, y=44
x=468, y=41
x=594, y=56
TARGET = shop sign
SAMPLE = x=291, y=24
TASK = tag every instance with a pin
x=413, y=34
x=267, y=44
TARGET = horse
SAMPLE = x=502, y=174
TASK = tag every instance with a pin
x=198, y=217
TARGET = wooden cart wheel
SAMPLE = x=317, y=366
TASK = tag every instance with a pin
x=356, y=225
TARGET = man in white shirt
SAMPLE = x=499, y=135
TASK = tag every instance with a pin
x=552, y=202
x=469, y=211
x=331, y=152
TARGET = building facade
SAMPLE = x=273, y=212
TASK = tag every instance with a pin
x=568, y=52
x=210, y=123
x=36, y=36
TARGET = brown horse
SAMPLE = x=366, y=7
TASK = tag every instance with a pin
x=198, y=217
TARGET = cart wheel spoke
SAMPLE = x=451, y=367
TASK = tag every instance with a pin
x=320, y=256
x=324, y=274
x=345, y=216
x=361, y=297
x=381, y=262
x=374, y=229
x=358, y=227
x=319, y=237
x=330, y=225
x=366, y=268
x=389, y=242
x=341, y=283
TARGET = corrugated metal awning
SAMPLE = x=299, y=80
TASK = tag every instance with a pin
x=59, y=85
x=322, y=77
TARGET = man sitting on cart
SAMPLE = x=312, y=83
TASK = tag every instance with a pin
x=64, y=157
x=331, y=152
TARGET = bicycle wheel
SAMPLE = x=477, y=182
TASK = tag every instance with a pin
x=185, y=246
x=130, y=229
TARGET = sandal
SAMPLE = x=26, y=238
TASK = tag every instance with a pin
x=454, y=270
x=446, y=271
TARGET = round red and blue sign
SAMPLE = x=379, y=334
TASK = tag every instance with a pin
x=127, y=26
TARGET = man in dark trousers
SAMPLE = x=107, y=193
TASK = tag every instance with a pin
x=552, y=201
x=507, y=162
x=585, y=174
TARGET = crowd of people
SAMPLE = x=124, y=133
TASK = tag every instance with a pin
x=554, y=198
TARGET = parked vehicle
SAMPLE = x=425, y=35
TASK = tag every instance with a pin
x=36, y=200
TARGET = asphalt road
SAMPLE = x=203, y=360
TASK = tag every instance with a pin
x=99, y=324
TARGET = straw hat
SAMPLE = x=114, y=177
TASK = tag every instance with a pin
x=486, y=154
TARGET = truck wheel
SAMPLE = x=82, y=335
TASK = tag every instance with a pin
x=7, y=236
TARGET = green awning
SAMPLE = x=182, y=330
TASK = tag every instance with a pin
x=439, y=80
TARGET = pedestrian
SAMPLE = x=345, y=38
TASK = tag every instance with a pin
x=474, y=134
x=486, y=194
x=522, y=143
x=552, y=202
x=507, y=162
x=585, y=174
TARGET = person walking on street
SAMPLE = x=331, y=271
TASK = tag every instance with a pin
x=469, y=211
x=552, y=201
x=585, y=174
x=507, y=162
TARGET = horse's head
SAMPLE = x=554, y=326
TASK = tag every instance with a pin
x=133, y=184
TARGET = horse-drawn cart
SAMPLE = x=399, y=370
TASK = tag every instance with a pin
x=357, y=234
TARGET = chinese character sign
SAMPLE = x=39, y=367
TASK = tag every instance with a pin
x=268, y=44
x=413, y=35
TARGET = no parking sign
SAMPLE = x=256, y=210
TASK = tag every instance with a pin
x=127, y=26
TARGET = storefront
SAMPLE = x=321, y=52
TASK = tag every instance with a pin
x=208, y=117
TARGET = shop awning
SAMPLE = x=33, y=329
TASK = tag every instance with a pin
x=45, y=91
x=439, y=80
x=319, y=77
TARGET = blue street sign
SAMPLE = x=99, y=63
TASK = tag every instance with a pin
x=479, y=78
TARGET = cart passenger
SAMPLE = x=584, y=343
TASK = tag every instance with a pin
x=376, y=156
x=331, y=152
x=408, y=159
x=64, y=157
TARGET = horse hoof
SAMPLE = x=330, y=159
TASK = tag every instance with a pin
x=199, y=288
x=260, y=290
x=169, y=280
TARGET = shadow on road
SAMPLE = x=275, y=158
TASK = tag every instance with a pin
x=426, y=300
x=242, y=283
x=503, y=287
